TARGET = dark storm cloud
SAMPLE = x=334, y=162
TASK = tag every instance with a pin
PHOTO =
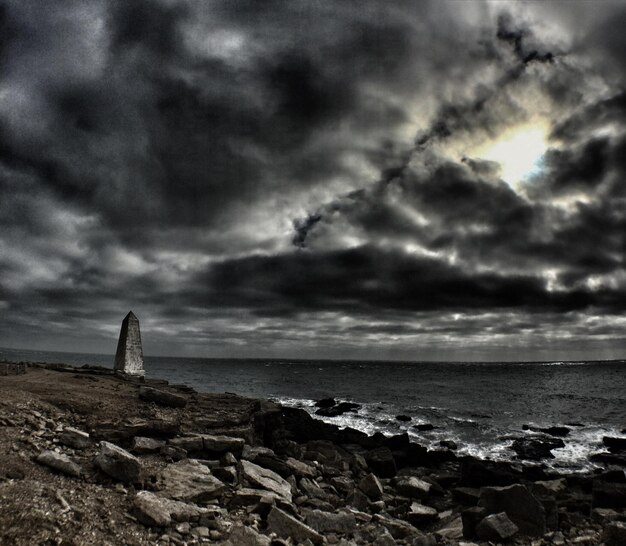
x=247, y=172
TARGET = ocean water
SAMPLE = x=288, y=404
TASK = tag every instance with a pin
x=481, y=406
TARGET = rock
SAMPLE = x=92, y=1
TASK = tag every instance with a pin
x=466, y=495
x=608, y=495
x=173, y=453
x=532, y=449
x=448, y=444
x=163, y=398
x=453, y=530
x=343, y=485
x=384, y=539
x=154, y=510
x=421, y=515
x=496, y=527
x=312, y=490
x=264, y=478
x=59, y=462
x=371, y=486
x=248, y=497
x=118, y=463
x=241, y=535
x=143, y=445
x=227, y=474
x=614, y=444
x=327, y=522
x=74, y=438
x=604, y=515
x=359, y=500
x=381, y=461
x=412, y=487
x=424, y=427
x=428, y=540
x=338, y=409
x=189, y=481
x=476, y=473
x=549, y=487
x=287, y=526
x=398, y=528
x=522, y=508
x=618, y=459
x=470, y=519
x=615, y=534
x=191, y=444
x=222, y=444
x=300, y=469
x=559, y=431
x=228, y=459
x=403, y=418
x=325, y=403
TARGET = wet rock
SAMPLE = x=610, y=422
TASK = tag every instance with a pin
x=466, y=495
x=608, y=495
x=287, y=526
x=614, y=444
x=559, y=431
x=118, y=463
x=496, y=528
x=448, y=444
x=325, y=403
x=520, y=506
x=59, y=462
x=412, y=487
x=423, y=427
x=476, y=473
x=371, y=486
x=74, y=438
x=241, y=535
x=143, y=445
x=532, y=449
x=403, y=418
x=189, y=481
x=419, y=514
x=614, y=534
x=338, y=409
x=327, y=522
x=162, y=398
x=264, y=478
x=381, y=461
x=617, y=459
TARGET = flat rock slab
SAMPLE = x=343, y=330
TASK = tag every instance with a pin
x=215, y=444
x=266, y=479
x=241, y=535
x=153, y=510
x=328, y=522
x=189, y=481
x=142, y=444
x=287, y=526
x=523, y=509
x=413, y=487
x=162, y=398
x=74, y=438
x=118, y=463
x=421, y=515
x=59, y=462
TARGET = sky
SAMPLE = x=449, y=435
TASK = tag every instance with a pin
x=413, y=180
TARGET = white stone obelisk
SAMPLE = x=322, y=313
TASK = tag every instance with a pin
x=129, y=354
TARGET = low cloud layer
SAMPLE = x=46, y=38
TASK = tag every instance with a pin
x=304, y=179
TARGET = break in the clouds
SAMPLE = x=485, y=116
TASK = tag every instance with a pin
x=419, y=180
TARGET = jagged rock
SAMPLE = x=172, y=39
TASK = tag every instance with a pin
x=222, y=444
x=496, y=527
x=421, y=515
x=141, y=444
x=532, y=449
x=615, y=534
x=449, y=444
x=241, y=535
x=174, y=453
x=325, y=403
x=61, y=463
x=287, y=526
x=248, y=497
x=381, y=461
x=74, y=438
x=608, y=495
x=189, y=481
x=403, y=418
x=338, y=409
x=549, y=487
x=327, y=522
x=398, y=528
x=423, y=427
x=343, y=484
x=520, y=506
x=559, y=431
x=614, y=444
x=371, y=486
x=604, y=515
x=477, y=473
x=118, y=463
x=359, y=500
x=163, y=398
x=264, y=478
x=470, y=519
x=312, y=490
x=412, y=487
x=452, y=530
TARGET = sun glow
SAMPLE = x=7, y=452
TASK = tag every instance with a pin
x=518, y=151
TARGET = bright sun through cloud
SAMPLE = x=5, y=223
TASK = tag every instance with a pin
x=518, y=151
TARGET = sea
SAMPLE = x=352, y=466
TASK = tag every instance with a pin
x=482, y=406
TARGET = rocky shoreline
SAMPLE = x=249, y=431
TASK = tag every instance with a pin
x=89, y=457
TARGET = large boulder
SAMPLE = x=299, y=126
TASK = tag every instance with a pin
x=287, y=526
x=265, y=479
x=162, y=398
x=156, y=511
x=477, y=473
x=496, y=528
x=328, y=522
x=520, y=506
x=534, y=449
x=381, y=461
x=371, y=486
x=419, y=514
x=614, y=444
x=189, y=481
x=118, y=463
x=338, y=409
x=59, y=462
x=412, y=487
